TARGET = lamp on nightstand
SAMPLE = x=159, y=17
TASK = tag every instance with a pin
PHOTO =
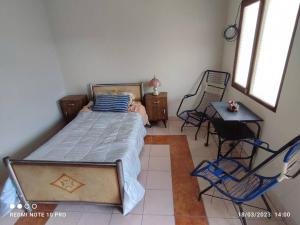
x=155, y=83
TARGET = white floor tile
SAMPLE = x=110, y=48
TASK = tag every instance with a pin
x=142, y=178
x=150, y=131
x=160, y=151
x=88, y=208
x=175, y=124
x=158, y=220
x=257, y=202
x=160, y=163
x=159, y=202
x=69, y=208
x=159, y=180
x=175, y=132
x=195, y=143
x=118, y=219
x=231, y=212
x=217, y=208
x=159, y=130
x=198, y=159
x=222, y=221
x=95, y=218
x=203, y=183
x=201, y=152
x=98, y=209
x=145, y=162
x=71, y=218
x=145, y=151
x=264, y=222
x=9, y=219
x=138, y=209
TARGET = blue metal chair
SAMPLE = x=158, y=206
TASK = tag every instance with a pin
x=210, y=89
x=239, y=184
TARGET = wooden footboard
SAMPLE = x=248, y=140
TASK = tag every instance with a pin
x=57, y=181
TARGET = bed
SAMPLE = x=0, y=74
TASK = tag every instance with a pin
x=93, y=160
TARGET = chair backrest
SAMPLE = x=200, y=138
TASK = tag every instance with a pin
x=213, y=86
x=291, y=160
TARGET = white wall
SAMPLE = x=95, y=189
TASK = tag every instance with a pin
x=109, y=41
x=30, y=77
x=279, y=127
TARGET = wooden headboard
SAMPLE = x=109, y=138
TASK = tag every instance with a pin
x=135, y=88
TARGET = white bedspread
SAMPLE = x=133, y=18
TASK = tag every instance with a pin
x=95, y=137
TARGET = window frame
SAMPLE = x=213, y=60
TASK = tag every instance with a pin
x=246, y=90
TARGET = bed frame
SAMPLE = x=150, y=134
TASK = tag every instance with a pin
x=52, y=182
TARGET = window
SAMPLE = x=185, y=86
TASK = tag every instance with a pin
x=267, y=29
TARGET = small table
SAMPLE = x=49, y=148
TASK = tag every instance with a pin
x=233, y=121
x=243, y=115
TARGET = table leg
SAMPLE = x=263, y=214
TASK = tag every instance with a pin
x=254, y=147
x=207, y=136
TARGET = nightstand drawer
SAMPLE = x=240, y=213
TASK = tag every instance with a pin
x=71, y=108
x=159, y=110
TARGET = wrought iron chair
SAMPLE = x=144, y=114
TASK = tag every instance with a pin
x=240, y=184
x=210, y=89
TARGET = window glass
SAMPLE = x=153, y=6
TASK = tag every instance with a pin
x=246, y=42
x=272, y=51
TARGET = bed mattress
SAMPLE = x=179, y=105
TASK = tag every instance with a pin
x=95, y=137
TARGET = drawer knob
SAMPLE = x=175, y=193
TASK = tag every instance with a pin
x=71, y=104
x=156, y=102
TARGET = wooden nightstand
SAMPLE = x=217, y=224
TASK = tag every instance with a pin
x=157, y=107
x=71, y=105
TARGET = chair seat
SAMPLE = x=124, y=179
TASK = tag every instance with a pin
x=245, y=190
x=232, y=130
x=197, y=115
x=193, y=117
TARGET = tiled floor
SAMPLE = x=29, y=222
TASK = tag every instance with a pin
x=157, y=206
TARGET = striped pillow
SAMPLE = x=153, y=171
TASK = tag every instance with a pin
x=111, y=103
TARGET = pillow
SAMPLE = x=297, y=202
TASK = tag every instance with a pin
x=131, y=95
x=111, y=103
